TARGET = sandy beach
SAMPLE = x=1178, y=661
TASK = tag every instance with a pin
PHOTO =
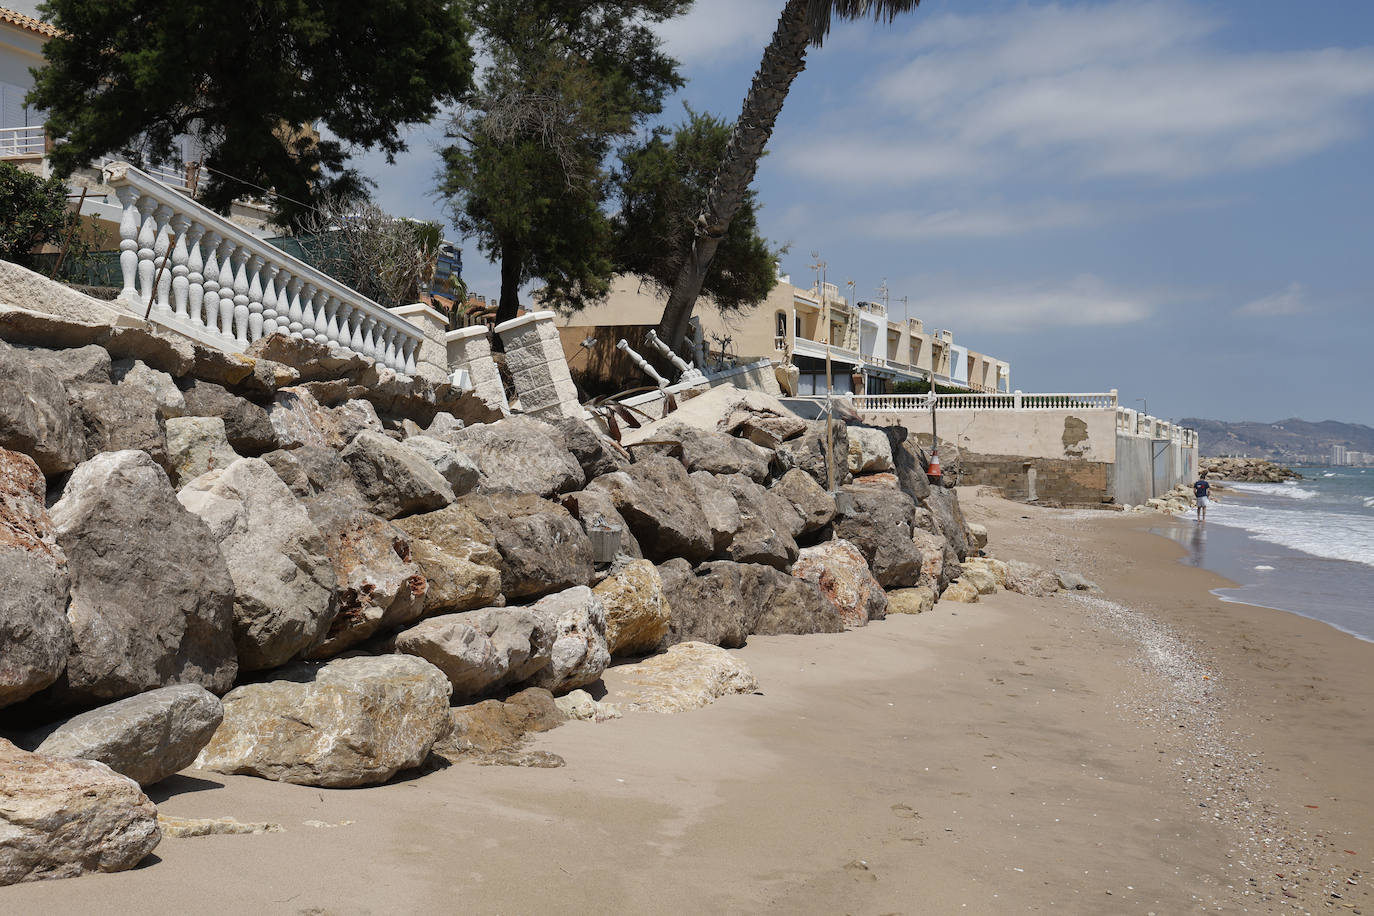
x=1143, y=749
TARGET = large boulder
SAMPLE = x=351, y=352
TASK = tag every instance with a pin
x=246, y=425
x=595, y=511
x=62, y=818
x=768, y=524
x=352, y=722
x=1029, y=579
x=839, y=569
x=596, y=453
x=543, y=548
x=379, y=585
x=36, y=418
x=147, y=737
x=910, y=600
x=689, y=675
x=943, y=504
x=712, y=452
x=120, y=417
x=458, y=469
x=709, y=603
x=298, y=419
x=395, y=480
x=314, y=470
x=721, y=509
x=807, y=452
x=934, y=574
x=576, y=621
x=134, y=373
x=544, y=465
x=869, y=450
x=637, y=612
x=787, y=604
x=196, y=445
x=89, y=365
x=909, y=463
x=284, y=584
x=722, y=409
x=657, y=500
x=459, y=558
x=495, y=732
x=813, y=505
x=877, y=520
x=34, y=633
x=482, y=651
x=151, y=597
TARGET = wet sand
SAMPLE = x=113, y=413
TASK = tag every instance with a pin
x=1147, y=749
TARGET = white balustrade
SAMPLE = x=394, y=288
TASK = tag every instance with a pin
x=18, y=142
x=207, y=276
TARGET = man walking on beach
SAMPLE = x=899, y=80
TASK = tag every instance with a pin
x=1200, y=491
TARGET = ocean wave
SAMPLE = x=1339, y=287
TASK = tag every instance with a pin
x=1333, y=535
x=1289, y=489
x=1369, y=502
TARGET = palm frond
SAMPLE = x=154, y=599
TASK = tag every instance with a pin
x=820, y=12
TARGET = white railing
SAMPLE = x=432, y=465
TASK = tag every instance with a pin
x=885, y=403
x=205, y=274
x=22, y=141
x=174, y=176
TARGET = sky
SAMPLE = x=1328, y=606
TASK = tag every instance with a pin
x=1169, y=198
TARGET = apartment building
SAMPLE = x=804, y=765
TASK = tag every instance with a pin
x=869, y=353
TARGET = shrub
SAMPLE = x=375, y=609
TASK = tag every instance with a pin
x=33, y=212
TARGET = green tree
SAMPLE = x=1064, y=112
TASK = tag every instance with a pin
x=527, y=177
x=33, y=212
x=803, y=24
x=660, y=185
x=247, y=82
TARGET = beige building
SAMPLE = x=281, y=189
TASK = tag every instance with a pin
x=869, y=353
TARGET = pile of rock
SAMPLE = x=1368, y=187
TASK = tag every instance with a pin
x=1178, y=500
x=291, y=564
x=1250, y=470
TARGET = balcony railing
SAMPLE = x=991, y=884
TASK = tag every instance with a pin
x=903, y=403
x=17, y=142
x=210, y=277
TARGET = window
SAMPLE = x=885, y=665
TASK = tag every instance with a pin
x=782, y=324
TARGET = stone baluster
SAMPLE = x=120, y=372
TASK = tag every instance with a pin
x=255, y=296
x=366, y=342
x=331, y=320
x=274, y=296
x=129, y=223
x=162, y=245
x=355, y=340
x=392, y=349
x=343, y=332
x=195, y=275
x=212, y=243
x=293, y=316
x=147, y=236
x=180, y=270
x=308, y=309
x=411, y=345
x=226, y=287
x=323, y=315
x=240, y=284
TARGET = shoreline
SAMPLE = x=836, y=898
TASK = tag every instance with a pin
x=1010, y=755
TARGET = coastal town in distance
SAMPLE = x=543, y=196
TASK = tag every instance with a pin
x=686, y=456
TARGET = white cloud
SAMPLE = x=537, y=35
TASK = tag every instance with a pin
x=976, y=222
x=716, y=30
x=1122, y=89
x=1084, y=301
x=1291, y=300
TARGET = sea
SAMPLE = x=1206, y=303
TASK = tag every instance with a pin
x=1304, y=546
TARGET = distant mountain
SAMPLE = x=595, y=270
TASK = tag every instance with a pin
x=1291, y=441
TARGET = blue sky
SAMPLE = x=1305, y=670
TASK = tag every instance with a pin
x=1170, y=198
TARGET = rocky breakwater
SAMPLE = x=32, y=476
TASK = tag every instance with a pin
x=297, y=565
x=1247, y=470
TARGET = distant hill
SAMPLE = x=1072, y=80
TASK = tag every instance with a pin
x=1291, y=441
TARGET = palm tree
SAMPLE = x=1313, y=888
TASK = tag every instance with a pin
x=803, y=23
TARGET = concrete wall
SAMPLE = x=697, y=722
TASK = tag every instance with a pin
x=1084, y=435
x=1132, y=481
x=1046, y=481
